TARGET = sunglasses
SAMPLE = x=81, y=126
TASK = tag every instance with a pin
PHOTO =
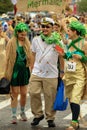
x=46, y=26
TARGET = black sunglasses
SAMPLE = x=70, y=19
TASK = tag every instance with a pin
x=46, y=26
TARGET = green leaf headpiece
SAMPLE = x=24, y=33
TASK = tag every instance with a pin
x=78, y=26
x=20, y=27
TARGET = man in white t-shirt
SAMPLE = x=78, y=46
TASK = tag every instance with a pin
x=44, y=77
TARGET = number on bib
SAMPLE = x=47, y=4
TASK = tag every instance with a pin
x=71, y=66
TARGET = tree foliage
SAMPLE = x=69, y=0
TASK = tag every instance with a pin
x=5, y=6
x=82, y=6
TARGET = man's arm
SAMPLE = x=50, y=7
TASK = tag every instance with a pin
x=61, y=66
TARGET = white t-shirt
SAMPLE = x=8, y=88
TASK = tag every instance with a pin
x=46, y=59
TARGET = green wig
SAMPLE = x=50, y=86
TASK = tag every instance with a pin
x=20, y=27
x=78, y=26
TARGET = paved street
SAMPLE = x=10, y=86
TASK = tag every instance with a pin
x=62, y=118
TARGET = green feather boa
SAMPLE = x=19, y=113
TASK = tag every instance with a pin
x=53, y=39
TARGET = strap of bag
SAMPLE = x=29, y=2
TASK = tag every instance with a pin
x=58, y=66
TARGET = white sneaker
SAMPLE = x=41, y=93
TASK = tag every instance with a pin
x=23, y=116
x=14, y=120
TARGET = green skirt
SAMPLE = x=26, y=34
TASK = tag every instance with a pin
x=21, y=74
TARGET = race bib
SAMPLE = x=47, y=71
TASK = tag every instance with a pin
x=71, y=66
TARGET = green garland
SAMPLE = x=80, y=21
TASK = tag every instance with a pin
x=53, y=39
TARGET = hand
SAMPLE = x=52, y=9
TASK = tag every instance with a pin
x=31, y=67
x=61, y=53
x=59, y=50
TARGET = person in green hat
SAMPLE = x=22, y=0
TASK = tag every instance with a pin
x=18, y=64
x=75, y=69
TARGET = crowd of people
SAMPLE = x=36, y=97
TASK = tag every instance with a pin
x=30, y=61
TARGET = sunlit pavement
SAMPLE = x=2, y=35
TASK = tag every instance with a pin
x=62, y=118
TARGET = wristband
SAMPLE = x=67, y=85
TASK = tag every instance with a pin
x=61, y=71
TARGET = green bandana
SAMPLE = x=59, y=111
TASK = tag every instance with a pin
x=53, y=39
x=74, y=41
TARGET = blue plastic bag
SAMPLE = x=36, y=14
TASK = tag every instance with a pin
x=60, y=102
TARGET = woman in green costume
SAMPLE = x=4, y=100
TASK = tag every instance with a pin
x=18, y=63
x=75, y=75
